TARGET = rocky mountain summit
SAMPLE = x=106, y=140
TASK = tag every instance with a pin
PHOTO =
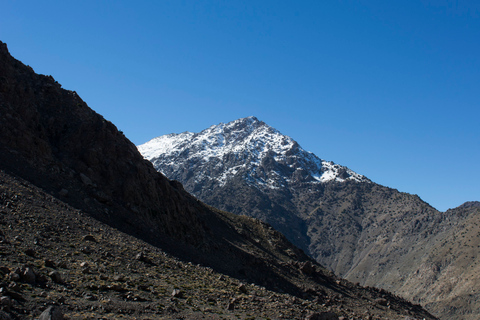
x=90, y=229
x=255, y=158
x=245, y=147
x=362, y=231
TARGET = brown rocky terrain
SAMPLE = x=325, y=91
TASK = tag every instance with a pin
x=89, y=227
x=55, y=255
x=447, y=274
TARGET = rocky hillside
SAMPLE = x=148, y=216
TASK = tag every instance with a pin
x=362, y=231
x=88, y=225
x=56, y=256
x=448, y=273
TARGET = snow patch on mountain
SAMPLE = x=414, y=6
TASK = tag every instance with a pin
x=245, y=146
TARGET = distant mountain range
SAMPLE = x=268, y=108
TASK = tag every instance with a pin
x=363, y=231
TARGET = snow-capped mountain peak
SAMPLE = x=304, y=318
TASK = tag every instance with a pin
x=246, y=148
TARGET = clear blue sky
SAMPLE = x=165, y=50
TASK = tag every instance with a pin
x=390, y=89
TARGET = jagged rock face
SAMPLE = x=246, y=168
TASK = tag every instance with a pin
x=362, y=231
x=252, y=161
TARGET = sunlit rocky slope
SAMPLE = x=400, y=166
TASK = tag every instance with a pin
x=363, y=231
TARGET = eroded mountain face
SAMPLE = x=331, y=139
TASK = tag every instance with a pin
x=73, y=159
x=362, y=231
x=247, y=167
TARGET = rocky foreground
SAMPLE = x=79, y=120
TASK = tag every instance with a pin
x=55, y=255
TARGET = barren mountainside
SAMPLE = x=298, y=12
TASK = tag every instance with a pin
x=362, y=231
x=78, y=201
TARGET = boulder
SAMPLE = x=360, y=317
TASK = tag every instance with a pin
x=89, y=237
x=307, y=268
x=56, y=276
x=52, y=313
x=242, y=288
x=177, y=293
x=28, y=275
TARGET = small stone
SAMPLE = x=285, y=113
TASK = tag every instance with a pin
x=49, y=263
x=14, y=276
x=4, y=269
x=143, y=287
x=115, y=287
x=28, y=275
x=381, y=301
x=52, y=313
x=89, y=237
x=13, y=286
x=231, y=304
x=56, y=276
x=142, y=257
x=86, y=180
x=86, y=250
x=307, y=268
x=242, y=288
x=5, y=301
x=90, y=297
x=30, y=252
x=177, y=293
x=63, y=192
x=118, y=277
